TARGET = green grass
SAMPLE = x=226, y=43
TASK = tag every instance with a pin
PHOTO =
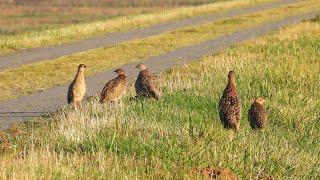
x=171, y=137
x=36, y=77
x=53, y=36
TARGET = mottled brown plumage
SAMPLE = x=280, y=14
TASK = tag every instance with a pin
x=115, y=89
x=257, y=114
x=147, y=85
x=230, y=105
x=77, y=88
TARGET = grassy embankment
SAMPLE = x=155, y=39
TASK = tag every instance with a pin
x=11, y=43
x=171, y=137
x=40, y=76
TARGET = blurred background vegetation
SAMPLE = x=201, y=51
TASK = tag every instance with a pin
x=19, y=16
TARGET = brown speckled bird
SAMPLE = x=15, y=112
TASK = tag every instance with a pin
x=77, y=88
x=230, y=105
x=147, y=84
x=257, y=114
x=115, y=89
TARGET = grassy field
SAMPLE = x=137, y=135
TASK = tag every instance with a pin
x=21, y=16
x=172, y=137
x=36, y=77
x=17, y=20
x=11, y=40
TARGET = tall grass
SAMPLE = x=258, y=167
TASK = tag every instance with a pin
x=172, y=137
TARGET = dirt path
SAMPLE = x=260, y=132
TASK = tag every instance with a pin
x=49, y=53
x=44, y=102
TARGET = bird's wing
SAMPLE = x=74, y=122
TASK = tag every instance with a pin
x=156, y=79
x=139, y=84
x=249, y=114
x=152, y=86
x=70, y=94
x=108, y=88
x=120, y=86
x=235, y=105
x=250, y=117
x=230, y=106
x=260, y=115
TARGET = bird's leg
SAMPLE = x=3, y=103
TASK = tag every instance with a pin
x=75, y=104
x=80, y=104
x=237, y=126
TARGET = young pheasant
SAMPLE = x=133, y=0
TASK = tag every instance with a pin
x=147, y=84
x=230, y=106
x=115, y=89
x=258, y=114
x=77, y=88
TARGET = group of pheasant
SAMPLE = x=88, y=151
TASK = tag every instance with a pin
x=147, y=86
